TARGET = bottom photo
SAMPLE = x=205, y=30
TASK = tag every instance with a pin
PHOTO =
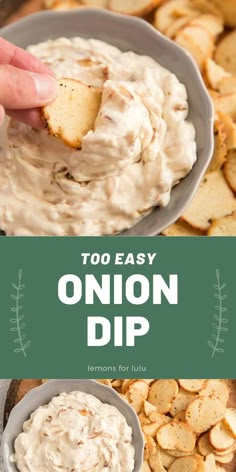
x=118, y=425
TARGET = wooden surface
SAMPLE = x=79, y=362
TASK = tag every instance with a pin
x=19, y=388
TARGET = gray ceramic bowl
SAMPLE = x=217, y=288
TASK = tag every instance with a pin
x=137, y=35
x=42, y=395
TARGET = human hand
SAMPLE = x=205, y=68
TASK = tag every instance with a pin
x=25, y=85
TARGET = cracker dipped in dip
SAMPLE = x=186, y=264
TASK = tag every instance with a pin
x=141, y=146
x=75, y=432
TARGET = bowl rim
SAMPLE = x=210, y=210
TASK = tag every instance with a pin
x=28, y=398
x=189, y=63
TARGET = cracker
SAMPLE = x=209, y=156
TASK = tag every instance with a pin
x=179, y=11
x=227, y=85
x=204, y=446
x=225, y=53
x=166, y=458
x=210, y=463
x=192, y=385
x=230, y=419
x=95, y=3
x=218, y=388
x=155, y=462
x=212, y=23
x=65, y=5
x=198, y=42
x=150, y=447
x=229, y=129
x=137, y=393
x=73, y=114
x=214, y=199
x=125, y=384
x=181, y=402
x=184, y=464
x=162, y=393
x=221, y=437
x=145, y=467
x=148, y=408
x=226, y=459
x=225, y=226
x=215, y=74
x=152, y=428
x=181, y=228
x=129, y=7
x=143, y=419
x=225, y=103
x=205, y=412
x=230, y=170
x=176, y=435
x=220, y=147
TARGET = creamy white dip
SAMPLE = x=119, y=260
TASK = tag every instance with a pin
x=75, y=432
x=142, y=145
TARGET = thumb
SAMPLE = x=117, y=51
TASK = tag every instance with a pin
x=20, y=89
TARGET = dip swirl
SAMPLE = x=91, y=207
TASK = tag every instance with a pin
x=142, y=145
x=75, y=432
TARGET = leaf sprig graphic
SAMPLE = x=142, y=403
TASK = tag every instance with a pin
x=21, y=341
x=219, y=320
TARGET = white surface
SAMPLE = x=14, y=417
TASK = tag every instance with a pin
x=4, y=384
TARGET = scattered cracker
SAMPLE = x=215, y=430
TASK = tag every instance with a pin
x=225, y=52
x=214, y=199
x=230, y=170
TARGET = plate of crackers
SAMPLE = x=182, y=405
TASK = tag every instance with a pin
x=189, y=425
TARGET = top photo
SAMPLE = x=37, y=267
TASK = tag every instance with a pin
x=118, y=117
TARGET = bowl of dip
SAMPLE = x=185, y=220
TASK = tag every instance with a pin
x=152, y=142
x=72, y=425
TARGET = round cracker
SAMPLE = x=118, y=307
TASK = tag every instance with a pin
x=225, y=103
x=145, y=467
x=225, y=53
x=137, y=393
x=213, y=200
x=230, y=170
x=230, y=420
x=129, y=7
x=221, y=437
x=212, y=23
x=205, y=412
x=229, y=128
x=181, y=228
x=181, y=402
x=227, y=85
x=65, y=5
x=192, y=385
x=216, y=387
x=176, y=435
x=226, y=459
x=225, y=226
x=95, y=3
x=220, y=147
x=179, y=11
x=162, y=393
x=204, y=446
x=198, y=42
x=215, y=74
x=184, y=464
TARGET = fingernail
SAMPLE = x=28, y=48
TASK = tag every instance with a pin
x=46, y=87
